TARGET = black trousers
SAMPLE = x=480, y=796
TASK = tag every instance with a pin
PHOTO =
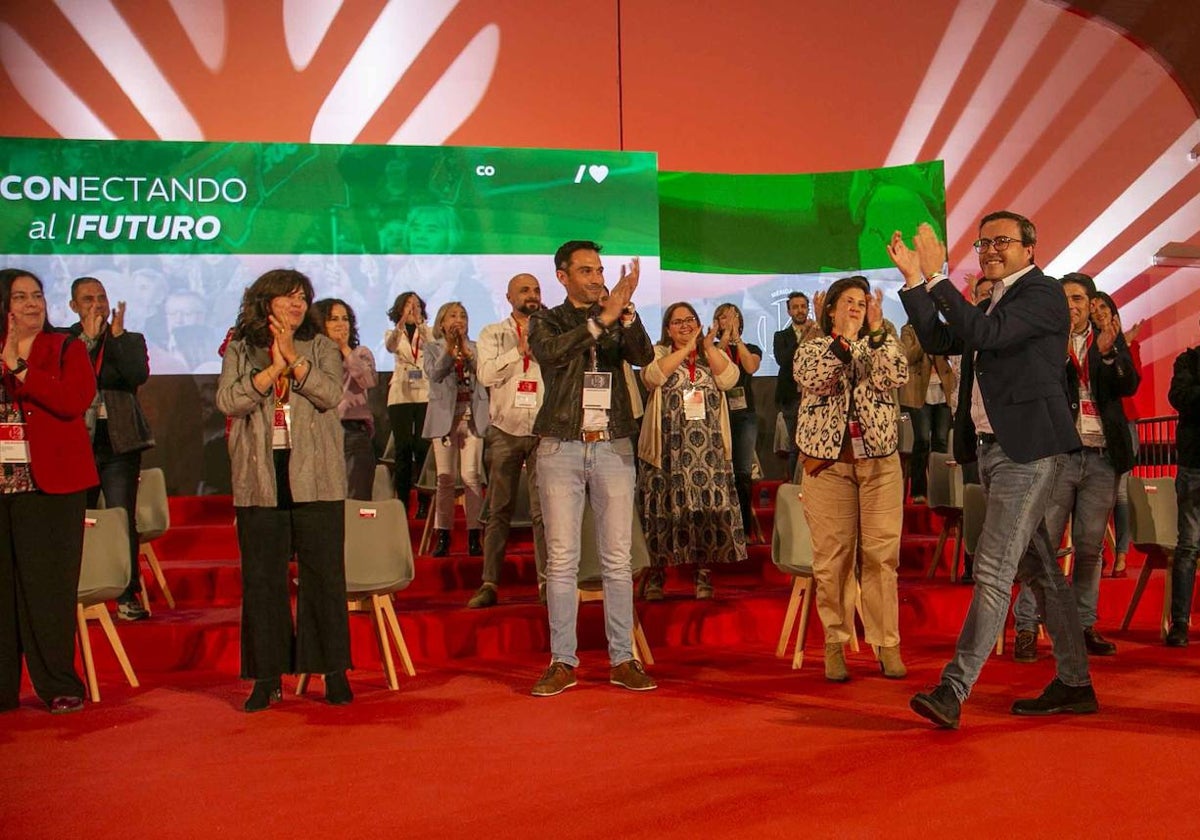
x=41, y=545
x=268, y=537
x=408, y=421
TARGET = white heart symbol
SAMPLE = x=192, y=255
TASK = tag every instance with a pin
x=598, y=173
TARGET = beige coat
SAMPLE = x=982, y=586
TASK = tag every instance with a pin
x=317, y=468
x=921, y=366
x=650, y=439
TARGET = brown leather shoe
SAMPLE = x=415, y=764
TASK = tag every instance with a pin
x=632, y=675
x=558, y=678
x=1025, y=650
x=1096, y=644
x=485, y=597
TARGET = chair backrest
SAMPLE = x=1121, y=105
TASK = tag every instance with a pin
x=944, y=488
x=589, y=553
x=1153, y=512
x=791, y=541
x=153, y=514
x=106, y=567
x=906, y=437
x=522, y=515
x=379, y=556
x=974, y=507
x=382, y=487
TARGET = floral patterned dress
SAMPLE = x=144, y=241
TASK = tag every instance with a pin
x=689, y=506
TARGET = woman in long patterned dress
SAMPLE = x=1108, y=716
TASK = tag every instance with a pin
x=686, y=489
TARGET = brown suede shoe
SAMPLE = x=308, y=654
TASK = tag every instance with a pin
x=630, y=674
x=835, y=662
x=891, y=664
x=558, y=678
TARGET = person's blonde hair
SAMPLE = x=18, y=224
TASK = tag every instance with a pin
x=442, y=312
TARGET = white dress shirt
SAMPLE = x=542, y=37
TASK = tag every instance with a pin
x=501, y=367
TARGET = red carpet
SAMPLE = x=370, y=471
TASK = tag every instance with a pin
x=733, y=744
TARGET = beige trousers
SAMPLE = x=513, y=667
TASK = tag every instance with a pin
x=857, y=509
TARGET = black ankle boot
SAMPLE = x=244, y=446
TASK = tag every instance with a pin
x=422, y=506
x=475, y=542
x=337, y=688
x=264, y=694
x=442, y=546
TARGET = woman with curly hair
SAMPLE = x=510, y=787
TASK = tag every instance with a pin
x=336, y=320
x=408, y=394
x=280, y=383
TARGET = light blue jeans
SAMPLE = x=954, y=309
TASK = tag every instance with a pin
x=1084, y=490
x=570, y=473
x=1014, y=543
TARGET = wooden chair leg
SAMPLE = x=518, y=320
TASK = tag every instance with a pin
x=639, y=641
x=85, y=649
x=379, y=625
x=805, y=612
x=302, y=684
x=390, y=612
x=1142, y=580
x=958, y=549
x=1165, y=625
x=937, y=552
x=789, y=617
x=1000, y=643
x=101, y=612
x=156, y=569
x=144, y=596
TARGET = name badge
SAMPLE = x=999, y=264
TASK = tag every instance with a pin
x=856, y=440
x=693, y=404
x=1089, y=418
x=101, y=409
x=527, y=394
x=14, y=448
x=597, y=390
x=736, y=397
x=415, y=375
x=281, y=431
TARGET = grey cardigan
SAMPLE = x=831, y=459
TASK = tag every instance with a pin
x=317, y=468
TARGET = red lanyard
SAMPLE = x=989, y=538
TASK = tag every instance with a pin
x=1082, y=368
x=691, y=365
x=524, y=356
x=283, y=385
x=416, y=346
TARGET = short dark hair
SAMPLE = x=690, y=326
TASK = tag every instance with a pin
x=665, y=341
x=7, y=276
x=1106, y=299
x=252, y=325
x=792, y=295
x=397, y=311
x=562, y=257
x=1028, y=231
x=1079, y=279
x=836, y=290
x=322, y=309
x=79, y=281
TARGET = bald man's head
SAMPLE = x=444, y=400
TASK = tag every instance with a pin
x=525, y=294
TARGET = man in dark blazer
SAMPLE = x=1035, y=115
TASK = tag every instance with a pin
x=800, y=328
x=1013, y=416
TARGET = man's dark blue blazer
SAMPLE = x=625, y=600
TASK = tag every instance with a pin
x=1018, y=355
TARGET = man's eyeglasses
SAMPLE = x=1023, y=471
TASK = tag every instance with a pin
x=1000, y=243
x=683, y=322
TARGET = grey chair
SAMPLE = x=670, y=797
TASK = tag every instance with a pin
x=1154, y=529
x=103, y=576
x=382, y=487
x=522, y=515
x=792, y=554
x=379, y=563
x=945, y=489
x=153, y=517
x=590, y=586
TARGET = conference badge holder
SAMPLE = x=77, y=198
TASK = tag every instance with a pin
x=597, y=389
x=736, y=397
x=526, y=395
x=856, y=440
x=1089, y=418
x=693, y=404
x=14, y=445
x=281, y=432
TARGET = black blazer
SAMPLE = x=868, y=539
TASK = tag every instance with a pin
x=786, y=391
x=1017, y=354
x=1109, y=383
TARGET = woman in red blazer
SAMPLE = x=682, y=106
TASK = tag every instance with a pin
x=46, y=466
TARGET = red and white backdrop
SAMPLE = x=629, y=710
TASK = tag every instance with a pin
x=1032, y=107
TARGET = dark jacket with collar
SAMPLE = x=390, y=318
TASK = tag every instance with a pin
x=124, y=367
x=1184, y=396
x=785, y=344
x=1109, y=382
x=1016, y=353
x=561, y=342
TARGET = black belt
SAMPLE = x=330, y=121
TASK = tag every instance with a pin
x=985, y=437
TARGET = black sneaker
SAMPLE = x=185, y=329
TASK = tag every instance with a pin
x=1060, y=698
x=1177, y=635
x=1096, y=644
x=1025, y=650
x=941, y=705
x=131, y=611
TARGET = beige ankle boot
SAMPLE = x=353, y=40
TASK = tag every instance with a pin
x=835, y=662
x=891, y=664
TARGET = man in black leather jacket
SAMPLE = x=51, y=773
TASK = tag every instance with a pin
x=586, y=454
